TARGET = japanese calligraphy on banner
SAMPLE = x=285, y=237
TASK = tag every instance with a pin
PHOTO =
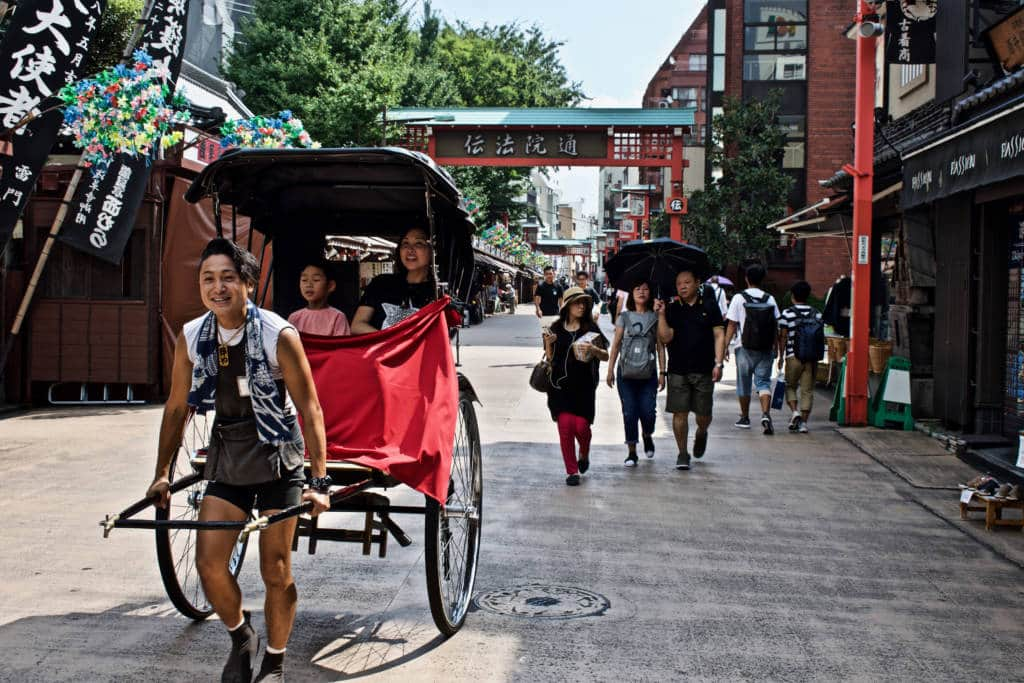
x=910, y=31
x=101, y=215
x=44, y=50
x=531, y=145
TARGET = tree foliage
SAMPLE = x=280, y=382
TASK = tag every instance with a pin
x=728, y=217
x=112, y=35
x=338, y=63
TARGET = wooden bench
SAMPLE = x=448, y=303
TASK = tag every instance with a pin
x=993, y=508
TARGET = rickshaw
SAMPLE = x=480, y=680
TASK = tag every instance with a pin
x=295, y=198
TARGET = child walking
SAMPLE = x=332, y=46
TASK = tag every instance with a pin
x=575, y=347
x=316, y=284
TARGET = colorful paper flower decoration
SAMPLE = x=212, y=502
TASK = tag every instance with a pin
x=124, y=110
x=518, y=249
x=266, y=132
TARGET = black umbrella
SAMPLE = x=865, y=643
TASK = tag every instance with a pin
x=657, y=261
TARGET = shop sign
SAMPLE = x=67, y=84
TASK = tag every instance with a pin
x=910, y=31
x=1007, y=40
x=989, y=154
x=532, y=146
x=676, y=205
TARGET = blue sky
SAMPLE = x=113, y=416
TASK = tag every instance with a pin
x=613, y=48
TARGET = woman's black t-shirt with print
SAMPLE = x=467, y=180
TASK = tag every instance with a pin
x=393, y=299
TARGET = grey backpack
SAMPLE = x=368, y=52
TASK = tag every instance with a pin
x=636, y=358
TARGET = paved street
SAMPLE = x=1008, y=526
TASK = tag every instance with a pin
x=796, y=557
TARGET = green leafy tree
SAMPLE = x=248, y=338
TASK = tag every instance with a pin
x=334, y=63
x=728, y=218
x=112, y=35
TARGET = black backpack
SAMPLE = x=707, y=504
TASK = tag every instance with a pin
x=760, y=329
x=808, y=337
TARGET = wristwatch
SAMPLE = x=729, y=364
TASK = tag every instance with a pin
x=320, y=484
x=720, y=366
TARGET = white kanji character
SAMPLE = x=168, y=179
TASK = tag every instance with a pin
x=40, y=63
x=90, y=25
x=15, y=105
x=170, y=37
x=474, y=144
x=505, y=146
x=22, y=172
x=76, y=61
x=176, y=7
x=83, y=43
x=81, y=218
x=111, y=205
x=89, y=198
x=567, y=145
x=904, y=56
x=49, y=21
x=86, y=208
x=16, y=194
x=535, y=145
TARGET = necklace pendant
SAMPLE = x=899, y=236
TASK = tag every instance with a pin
x=222, y=355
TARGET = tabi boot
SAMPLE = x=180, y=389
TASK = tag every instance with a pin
x=245, y=643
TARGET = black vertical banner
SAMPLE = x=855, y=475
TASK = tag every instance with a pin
x=44, y=50
x=102, y=213
x=910, y=31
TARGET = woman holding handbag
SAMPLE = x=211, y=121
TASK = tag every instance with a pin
x=641, y=362
x=575, y=348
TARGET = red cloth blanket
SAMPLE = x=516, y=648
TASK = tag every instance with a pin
x=390, y=399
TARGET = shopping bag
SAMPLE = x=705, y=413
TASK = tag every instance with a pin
x=779, y=393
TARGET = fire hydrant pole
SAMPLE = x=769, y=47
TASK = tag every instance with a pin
x=864, y=142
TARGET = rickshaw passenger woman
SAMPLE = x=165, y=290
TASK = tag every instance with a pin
x=392, y=297
x=247, y=364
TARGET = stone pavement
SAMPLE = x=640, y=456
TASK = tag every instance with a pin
x=793, y=557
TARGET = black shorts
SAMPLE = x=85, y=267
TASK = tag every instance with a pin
x=275, y=495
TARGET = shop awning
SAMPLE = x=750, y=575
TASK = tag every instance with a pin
x=981, y=153
x=485, y=259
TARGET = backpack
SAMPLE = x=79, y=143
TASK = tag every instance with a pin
x=808, y=337
x=636, y=357
x=760, y=330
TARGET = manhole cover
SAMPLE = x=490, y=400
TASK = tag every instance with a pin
x=543, y=602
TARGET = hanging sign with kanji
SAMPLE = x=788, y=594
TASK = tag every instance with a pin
x=527, y=145
x=102, y=213
x=910, y=31
x=44, y=49
x=676, y=205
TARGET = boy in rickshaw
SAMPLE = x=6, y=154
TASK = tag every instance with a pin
x=318, y=317
x=247, y=364
x=392, y=297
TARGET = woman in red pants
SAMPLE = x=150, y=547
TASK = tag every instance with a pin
x=575, y=347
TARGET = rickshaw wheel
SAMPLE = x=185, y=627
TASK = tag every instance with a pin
x=453, y=533
x=176, y=548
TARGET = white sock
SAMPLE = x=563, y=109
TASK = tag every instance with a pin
x=275, y=651
x=240, y=624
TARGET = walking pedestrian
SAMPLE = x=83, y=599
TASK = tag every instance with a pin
x=547, y=299
x=754, y=314
x=247, y=364
x=583, y=282
x=692, y=329
x=575, y=348
x=637, y=358
x=801, y=345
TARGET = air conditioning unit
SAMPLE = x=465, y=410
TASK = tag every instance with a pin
x=663, y=105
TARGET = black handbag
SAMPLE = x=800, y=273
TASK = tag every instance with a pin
x=540, y=378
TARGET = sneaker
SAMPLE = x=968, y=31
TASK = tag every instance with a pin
x=245, y=643
x=572, y=480
x=743, y=423
x=700, y=444
x=630, y=460
x=648, y=446
x=683, y=461
x=766, y=423
x=802, y=429
x=584, y=464
x=794, y=422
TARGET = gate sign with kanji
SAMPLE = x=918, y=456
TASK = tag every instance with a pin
x=677, y=205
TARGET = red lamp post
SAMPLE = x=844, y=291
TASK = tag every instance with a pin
x=862, y=171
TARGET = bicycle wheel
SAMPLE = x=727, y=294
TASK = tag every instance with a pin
x=176, y=548
x=453, y=532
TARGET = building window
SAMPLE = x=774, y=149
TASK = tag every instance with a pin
x=774, y=67
x=718, y=51
x=793, y=155
x=698, y=62
x=772, y=11
x=688, y=98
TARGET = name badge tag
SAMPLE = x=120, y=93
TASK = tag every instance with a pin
x=243, y=386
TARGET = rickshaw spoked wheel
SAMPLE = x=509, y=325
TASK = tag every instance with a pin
x=176, y=548
x=452, y=543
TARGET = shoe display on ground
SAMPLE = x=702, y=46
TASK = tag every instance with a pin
x=630, y=460
x=989, y=487
x=743, y=423
x=584, y=464
x=648, y=446
x=700, y=444
x=245, y=643
x=1014, y=493
x=683, y=461
x=794, y=422
x=766, y=424
x=978, y=481
x=1003, y=491
x=572, y=480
